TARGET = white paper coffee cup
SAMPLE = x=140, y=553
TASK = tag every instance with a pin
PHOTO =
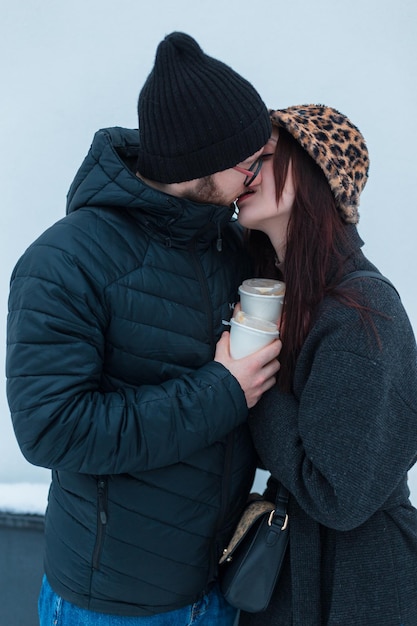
x=263, y=298
x=248, y=334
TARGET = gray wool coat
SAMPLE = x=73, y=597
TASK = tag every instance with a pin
x=342, y=443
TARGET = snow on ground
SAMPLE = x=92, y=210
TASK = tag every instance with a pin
x=30, y=498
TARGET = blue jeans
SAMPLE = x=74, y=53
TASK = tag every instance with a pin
x=211, y=610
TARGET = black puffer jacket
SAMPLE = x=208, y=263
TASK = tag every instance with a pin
x=114, y=316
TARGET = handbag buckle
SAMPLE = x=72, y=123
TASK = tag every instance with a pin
x=271, y=517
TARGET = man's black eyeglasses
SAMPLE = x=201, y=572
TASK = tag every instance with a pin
x=252, y=172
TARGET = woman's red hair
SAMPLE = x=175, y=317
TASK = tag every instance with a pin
x=316, y=244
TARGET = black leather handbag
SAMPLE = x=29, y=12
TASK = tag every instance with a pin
x=251, y=563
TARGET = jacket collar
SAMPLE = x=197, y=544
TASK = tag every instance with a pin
x=107, y=180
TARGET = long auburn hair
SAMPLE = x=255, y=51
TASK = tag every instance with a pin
x=317, y=243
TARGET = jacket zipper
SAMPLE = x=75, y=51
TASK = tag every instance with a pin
x=225, y=489
x=225, y=496
x=101, y=520
x=230, y=436
x=206, y=296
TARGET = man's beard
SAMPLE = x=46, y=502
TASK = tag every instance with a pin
x=207, y=192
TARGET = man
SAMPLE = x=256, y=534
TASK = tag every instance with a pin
x=113, y=382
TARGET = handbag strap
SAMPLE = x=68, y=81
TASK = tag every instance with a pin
x=367, y=274
x=279, y=515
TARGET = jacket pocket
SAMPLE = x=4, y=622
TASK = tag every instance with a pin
x=101, y=520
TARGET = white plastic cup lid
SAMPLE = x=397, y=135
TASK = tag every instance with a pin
x=263, y=287
x=255, y=323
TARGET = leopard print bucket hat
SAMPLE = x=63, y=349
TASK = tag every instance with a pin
x=336, y=145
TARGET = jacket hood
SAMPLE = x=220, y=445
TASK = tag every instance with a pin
x=107, y=179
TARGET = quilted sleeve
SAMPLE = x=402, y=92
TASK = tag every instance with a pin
x=61, y=416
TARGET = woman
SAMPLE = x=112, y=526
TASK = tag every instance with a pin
x=339, y=429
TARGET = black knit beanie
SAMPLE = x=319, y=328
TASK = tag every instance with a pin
x=197, y=116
